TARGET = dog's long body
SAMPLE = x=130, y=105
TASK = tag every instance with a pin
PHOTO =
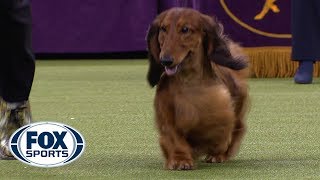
x=201, y=96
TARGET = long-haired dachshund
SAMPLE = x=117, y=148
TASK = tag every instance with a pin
x=201, y=97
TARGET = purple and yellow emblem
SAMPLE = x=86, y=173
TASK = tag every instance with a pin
x=256, y=22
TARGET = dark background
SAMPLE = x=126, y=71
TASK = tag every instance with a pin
x=117, y=28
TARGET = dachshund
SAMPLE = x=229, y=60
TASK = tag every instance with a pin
x=201, y=88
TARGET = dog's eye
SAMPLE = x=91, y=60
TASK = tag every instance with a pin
x=163, y=29
x=185, y=30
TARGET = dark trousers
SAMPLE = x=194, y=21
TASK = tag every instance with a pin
x=305, y=17
x=17, y=63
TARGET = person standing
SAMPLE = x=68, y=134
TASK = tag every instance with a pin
x=305, y=18
x=17, y=66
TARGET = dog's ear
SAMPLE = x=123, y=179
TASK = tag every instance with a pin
x=155, y=68
x=218, y=47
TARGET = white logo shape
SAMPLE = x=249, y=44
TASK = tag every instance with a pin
x=46, y=144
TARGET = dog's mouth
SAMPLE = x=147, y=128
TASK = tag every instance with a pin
x=171, y=70
x=174, y=69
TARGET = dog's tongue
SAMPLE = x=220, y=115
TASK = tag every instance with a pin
x=171, y=71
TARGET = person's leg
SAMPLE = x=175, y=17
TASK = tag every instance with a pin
x=16, y=69
x=305, y=33
x=17, y=60
x=317, y=7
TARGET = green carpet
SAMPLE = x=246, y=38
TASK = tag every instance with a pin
x=110, y=103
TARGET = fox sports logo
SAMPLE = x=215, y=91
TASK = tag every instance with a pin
x=46, y=144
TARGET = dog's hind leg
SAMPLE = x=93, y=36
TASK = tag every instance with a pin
x=237, y=136
x=240, y=128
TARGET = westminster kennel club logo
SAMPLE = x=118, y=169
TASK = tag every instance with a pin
x=47, y=144
x=268, y=18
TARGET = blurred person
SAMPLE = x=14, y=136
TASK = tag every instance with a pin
x=17, y=66
x=305, y=17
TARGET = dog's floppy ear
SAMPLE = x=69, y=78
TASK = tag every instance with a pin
x=155, y=68
x=218, y=47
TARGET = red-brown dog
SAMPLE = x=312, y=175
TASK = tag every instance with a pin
x=201, y=97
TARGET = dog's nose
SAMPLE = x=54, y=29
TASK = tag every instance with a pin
x=166, y=61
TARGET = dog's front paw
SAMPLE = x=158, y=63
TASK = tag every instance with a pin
x=179, y=164
x=215, y=159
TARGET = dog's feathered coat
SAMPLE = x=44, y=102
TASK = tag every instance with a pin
x=201, y=95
